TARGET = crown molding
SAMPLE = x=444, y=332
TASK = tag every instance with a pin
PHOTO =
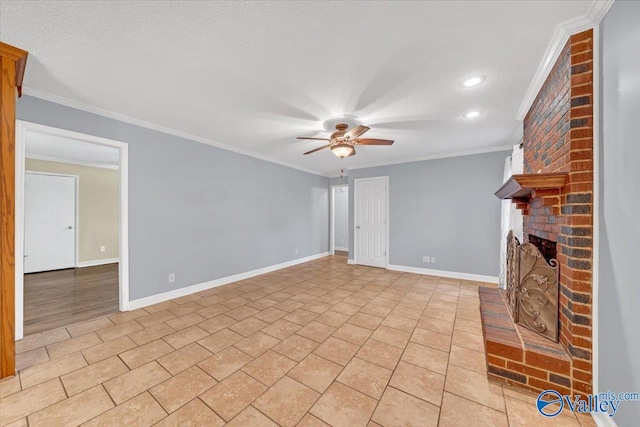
x=598, y=10
x=592, y=18
x=137, y=122
x=508, y=147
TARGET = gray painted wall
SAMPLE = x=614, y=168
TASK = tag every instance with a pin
x=619, y=288
x=198, y=211
x=338, y=180
x=341, y=211
x=443, y=208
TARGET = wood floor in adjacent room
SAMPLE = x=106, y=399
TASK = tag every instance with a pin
x=53, y=299
x=319, y=344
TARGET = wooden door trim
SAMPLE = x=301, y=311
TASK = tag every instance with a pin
x=19, y=56
x=12, y=66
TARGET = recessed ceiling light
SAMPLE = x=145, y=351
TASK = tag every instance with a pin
x=471, y=114
x=473, y=81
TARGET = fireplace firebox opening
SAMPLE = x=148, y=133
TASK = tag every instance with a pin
x=546, y=247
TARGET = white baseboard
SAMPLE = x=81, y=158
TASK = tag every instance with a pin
x=603, y=420
x=340, y=248
x=351, y=261
x=95, y=262
x=442, y=273
x=155, y=299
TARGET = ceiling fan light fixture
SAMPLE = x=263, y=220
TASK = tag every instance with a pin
x=343, y=150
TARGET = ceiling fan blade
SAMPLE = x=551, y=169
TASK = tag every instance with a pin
x=356, y=132
x=315, y=139
x=317, y=149
x=373, y=141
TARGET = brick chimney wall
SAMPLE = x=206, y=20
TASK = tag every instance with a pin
x=558, y=137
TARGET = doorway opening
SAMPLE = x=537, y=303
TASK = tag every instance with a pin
x=71, y=228
x=371, y=221
x=339, y=217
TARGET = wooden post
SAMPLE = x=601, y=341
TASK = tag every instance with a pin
x=12, y=65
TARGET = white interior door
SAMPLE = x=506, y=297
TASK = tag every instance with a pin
x=371, y=222
x=49, y=222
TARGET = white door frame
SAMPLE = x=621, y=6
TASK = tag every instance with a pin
x=22, y=127
x=76, y=252
x=332, y=216
x=355, y=216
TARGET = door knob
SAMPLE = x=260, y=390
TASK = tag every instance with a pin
x=358, y=227
x=70, y=227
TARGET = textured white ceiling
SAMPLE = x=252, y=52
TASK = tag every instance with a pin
x=55, y=148
x=254, y=75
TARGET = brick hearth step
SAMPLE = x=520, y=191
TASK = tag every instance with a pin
x=518, y=356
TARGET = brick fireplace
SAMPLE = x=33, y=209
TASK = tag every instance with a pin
x=557, y=141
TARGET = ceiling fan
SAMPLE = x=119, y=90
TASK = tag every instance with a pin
x=342, y=142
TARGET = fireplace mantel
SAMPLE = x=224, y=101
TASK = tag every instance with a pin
x=521, y=186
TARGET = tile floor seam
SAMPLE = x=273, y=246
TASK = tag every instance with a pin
x=197, y=396
x=444, y=385
x=112, y=401
x=474, y=402
x=216, y=412
x=267, y=385
x=353, y=388
x=489, y=381
x=48, y=406
x=507, y=413
x=317, y=398
x=156, y=400
x=19, y=381
x=416, y=397
x=258, y=409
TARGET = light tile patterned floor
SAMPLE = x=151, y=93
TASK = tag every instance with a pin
x=322, y=343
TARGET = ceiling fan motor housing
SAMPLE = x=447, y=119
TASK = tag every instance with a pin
x=342, y=127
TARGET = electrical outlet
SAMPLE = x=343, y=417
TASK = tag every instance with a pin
x=341, y=240
x=296, y=251
x=433, y=260
x=426, y=259
x=103, y=249
x=172, y=277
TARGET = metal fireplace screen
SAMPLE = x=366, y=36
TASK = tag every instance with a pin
x=532, y=288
